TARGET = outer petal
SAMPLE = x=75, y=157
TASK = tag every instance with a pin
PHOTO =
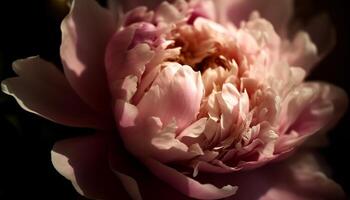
x=175, y=94
x=324, y=111
x=325, y=41
x=301, y=52
x=42, y=89
x=188, y=185
x=85, y=33
x=84, y=161
x=308, y=109
x=278, y=12
x=130, y=4
x=120, y=160
x=299, y=178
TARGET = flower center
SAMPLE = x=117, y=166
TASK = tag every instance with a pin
x=202, y=46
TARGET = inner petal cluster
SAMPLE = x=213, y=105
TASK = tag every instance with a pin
x=215, y=96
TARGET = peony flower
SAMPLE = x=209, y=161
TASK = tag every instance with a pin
x=195, y=99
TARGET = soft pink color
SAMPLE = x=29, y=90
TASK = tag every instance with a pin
x=204, y=95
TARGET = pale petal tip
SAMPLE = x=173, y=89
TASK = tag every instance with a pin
x=4, y=87
x=230, y=189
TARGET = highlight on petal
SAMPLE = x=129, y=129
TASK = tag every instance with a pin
x=85, y=33
x=42, y=89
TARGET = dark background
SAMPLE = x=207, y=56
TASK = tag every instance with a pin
x=33, y=28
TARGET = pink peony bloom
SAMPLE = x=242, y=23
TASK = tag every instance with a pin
x=204, y=96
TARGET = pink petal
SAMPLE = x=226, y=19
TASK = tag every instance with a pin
x=315, y=105
x=130, y=4
x=138, y=14
x=186, y=185
x=278, y=12
x=85, y=33
x=168, y=13
x=150, y=138
x=326, y=41
x=117, y=12
x=175, y=94
x=298, y=178
x=84, y=161
x=302, y=52
x=147, y=182
x=311, y=108
x=127, y=54
x=42, y=89
x=324, y=112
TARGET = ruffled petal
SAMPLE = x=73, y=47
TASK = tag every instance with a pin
x=42, y=89
x=85, y=33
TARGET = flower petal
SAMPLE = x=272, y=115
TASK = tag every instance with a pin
x=312, y=107
x=326, y=41
x=187, y=185
x=84, y=161
x=42, y=89
x=124, y=163
x=301, y=52
x=130, y=4
x=175, y=94
x=298, y=178
x=127, y=54
x=278, y=12
x=85, y=33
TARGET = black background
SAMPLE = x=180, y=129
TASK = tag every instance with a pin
x=33, y=28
